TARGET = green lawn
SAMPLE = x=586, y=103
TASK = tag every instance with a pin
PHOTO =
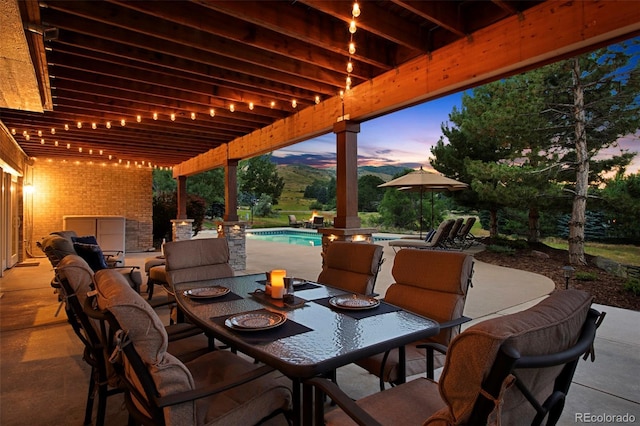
x=622, y=253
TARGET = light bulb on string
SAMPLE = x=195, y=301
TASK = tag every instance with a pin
x=138, y=118
x=53, y=131
x=79, y=124
x=193, y=115
x=41, y=141
x=39, y=133
x=13, y=131
x=155, y=115
x=356, y=10
x=173, y=117
x=123, y=122
x=349, y=66
x=251, y=106
x=66, y=127
x=212, y=112
x=352, y=48
x=294, y=103
x=108, y=125
x=352, y=26
x=232, y=107
x=94, y=126
x=317, y=99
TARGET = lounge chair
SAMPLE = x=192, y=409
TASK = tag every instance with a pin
x=295, y=223
x=437, y=241
x=465, y=238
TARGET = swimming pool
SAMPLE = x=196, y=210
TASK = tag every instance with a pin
x=293, y=236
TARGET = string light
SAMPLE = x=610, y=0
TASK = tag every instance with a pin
x=317, y=99
x=155, y=115
x=294, y=104
x=27, y=137
x=212, y=112
x=39, y=133
x=108, y=125
x=355, y=12
x=66, y=127
x=56, y=143
x=123, y=122
x=94, y=126
x=173, y=117
x=41, y=141
x=193, y=115
x=79, y=124
x=232, y=107
x=13, y=131
x=251, y=106
x=273, y=104
x=138, y=118
x=53, y=131
x=68, y=146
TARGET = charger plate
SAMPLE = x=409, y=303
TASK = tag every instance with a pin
x=255, y=321
x=354, y=302
x=206, y=292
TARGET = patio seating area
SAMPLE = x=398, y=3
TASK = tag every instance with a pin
x=41, y=358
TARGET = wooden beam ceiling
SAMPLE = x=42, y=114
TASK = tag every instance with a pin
x=116, y=59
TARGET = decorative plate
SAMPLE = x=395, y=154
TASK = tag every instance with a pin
x=254, y=321
x=354, y=301
x=206, y=292
x=299, y=281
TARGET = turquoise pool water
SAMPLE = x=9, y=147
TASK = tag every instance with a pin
x=300, y=238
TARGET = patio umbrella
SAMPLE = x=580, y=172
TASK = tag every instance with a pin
x=424, y=181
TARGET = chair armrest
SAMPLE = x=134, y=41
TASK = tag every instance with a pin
x=179, y=398
x=435, y=346
x=132, y=267
x=353, y=410
x=455, y=322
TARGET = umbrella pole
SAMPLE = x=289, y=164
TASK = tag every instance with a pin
x=421, y=215
x=432, y=210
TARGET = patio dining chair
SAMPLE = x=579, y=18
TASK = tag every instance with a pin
x=513, y=369
x=219, y=387
x=431, y=283
x=76, y=282
x=351, y=266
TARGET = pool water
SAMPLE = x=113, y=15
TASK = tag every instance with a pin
x=300, y=238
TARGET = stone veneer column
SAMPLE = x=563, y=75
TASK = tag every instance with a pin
x=181, y=229
x=235, y=233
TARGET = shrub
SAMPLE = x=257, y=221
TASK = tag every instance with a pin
x=501, y=249
x=585, y=276
x=633, y=285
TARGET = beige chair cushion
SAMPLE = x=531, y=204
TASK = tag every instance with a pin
x=150, y=340
x=431, y=283
x=77, y=272
x=197, y=260
x=550, y=326
x=351, y=266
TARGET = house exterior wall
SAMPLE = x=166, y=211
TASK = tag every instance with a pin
x=69, y=188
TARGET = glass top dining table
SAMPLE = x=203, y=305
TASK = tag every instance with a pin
x=316, y=338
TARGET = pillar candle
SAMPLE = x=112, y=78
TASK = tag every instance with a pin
x=277, y=283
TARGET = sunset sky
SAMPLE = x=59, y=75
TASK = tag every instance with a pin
x=405, y=138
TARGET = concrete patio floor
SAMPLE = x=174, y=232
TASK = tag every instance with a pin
x=43, y=379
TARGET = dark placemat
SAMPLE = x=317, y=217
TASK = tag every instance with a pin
x=226, y=298
x=382, y=308
x=263, y=298
x=289, y=328
x=308, y=285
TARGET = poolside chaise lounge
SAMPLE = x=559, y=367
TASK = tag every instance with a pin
x=437, y=241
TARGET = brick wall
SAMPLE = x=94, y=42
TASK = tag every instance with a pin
x=83, y=189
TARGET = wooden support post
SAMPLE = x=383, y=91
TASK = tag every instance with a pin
x=346, y=175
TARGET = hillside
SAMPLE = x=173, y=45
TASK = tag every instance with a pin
x=298, y=177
